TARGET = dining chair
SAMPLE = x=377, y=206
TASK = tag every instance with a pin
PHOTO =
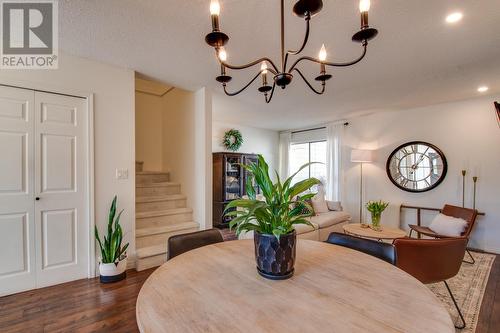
x=432, y=260
x=179, y=244
x=377, y=249
x=467, y=214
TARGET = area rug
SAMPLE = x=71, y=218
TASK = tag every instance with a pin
x=468, y=287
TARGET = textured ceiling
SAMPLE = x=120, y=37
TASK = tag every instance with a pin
x=417, y=59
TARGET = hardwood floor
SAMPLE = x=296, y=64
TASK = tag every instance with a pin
x=79, y=306
x=489, y=316
x=89, y=306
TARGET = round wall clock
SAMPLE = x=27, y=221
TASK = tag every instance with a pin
x=416, y=166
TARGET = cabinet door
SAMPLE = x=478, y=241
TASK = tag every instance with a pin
x=17, y=220
x=247, y=177
x=62, y=221
x=232, y=177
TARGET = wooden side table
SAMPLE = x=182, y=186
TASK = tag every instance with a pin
x=387, y=233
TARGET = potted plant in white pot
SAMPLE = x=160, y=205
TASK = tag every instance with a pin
x=272, y=220
x=113, y=261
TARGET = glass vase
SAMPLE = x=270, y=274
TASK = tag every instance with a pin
x=376, y=221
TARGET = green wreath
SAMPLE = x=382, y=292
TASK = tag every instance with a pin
x=232, y=140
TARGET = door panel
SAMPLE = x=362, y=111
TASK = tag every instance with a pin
x=62, y=114
x=13, y=162
x=17, y=241
x=14, y=250
x=59, y=238
x=12, y=108
x=58, y=163
x=62, y=229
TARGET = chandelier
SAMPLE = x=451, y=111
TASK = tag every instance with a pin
x=282, y=76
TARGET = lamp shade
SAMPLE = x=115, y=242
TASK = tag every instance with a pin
x=361, y=156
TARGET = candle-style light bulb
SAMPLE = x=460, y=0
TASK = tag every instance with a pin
x=214, y=7
x=222, y=54
x=364, y=6
x=322, y=53
x=214, y=13
x=263, y=68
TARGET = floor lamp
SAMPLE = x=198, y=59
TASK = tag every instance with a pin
x=361, y=156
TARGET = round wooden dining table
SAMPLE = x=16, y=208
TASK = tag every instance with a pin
x=216, y=288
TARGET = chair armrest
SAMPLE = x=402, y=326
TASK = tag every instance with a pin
x=334, y=205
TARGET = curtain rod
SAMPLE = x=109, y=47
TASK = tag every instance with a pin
x=315, y=129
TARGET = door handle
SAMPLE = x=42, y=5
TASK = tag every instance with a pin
x=37, y=198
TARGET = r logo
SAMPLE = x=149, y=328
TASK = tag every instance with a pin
x=27, y=27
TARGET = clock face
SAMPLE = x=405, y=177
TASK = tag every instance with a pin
x=416, y=166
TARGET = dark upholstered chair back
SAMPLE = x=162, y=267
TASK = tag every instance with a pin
x=380, y=250
x=179, y=244
x=430, y=260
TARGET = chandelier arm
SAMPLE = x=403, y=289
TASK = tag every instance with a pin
x=250, y=64
x=334, y=64
x=304, y=43
x=239, y=91
x=319, y=92
x=271, y=95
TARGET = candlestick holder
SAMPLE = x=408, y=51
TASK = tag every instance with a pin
x=474, y=180
x=464, y=172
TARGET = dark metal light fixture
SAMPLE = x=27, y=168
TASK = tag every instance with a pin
x=305, y=9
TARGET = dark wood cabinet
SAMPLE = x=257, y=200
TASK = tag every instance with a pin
x=229, y=183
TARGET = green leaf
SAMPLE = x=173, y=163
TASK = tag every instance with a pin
x=302, y=186
x=124, y=248
x=242, y=203
x=288, y=181
x=277, y=233
x=249, y=188
x=112, y=212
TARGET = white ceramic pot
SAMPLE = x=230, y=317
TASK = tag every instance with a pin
x=113, y=272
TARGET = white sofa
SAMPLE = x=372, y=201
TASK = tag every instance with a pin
x=324, y=224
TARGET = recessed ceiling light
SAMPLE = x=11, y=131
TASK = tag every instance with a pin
x=482, y=89
x=454, y=17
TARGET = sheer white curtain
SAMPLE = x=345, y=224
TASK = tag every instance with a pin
x=335, y=132
x=284, y=150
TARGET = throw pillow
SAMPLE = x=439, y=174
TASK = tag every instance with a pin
x=304, y=209
x=448, y=225
x=334, y=205
x=318, y=201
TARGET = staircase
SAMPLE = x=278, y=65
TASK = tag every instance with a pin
x=161, y=212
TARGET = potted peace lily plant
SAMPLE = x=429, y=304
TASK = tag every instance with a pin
x=113, y=263
x=272, y=220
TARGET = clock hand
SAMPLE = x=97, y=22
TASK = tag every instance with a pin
x=421, y=158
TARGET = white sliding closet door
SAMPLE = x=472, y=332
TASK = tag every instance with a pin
x=44, y=222
x=62, y=222
x=17, y=220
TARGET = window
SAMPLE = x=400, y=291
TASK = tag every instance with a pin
x=302, y=153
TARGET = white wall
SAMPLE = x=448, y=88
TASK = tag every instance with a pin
x=255, y=141
x=203, y=153
x=469, y=136
x=178, y=148
x=149, y=130
x=113, y=90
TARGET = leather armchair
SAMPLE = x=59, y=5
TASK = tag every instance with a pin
x=179, y=244
x=432, y=260
x=466, y=214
